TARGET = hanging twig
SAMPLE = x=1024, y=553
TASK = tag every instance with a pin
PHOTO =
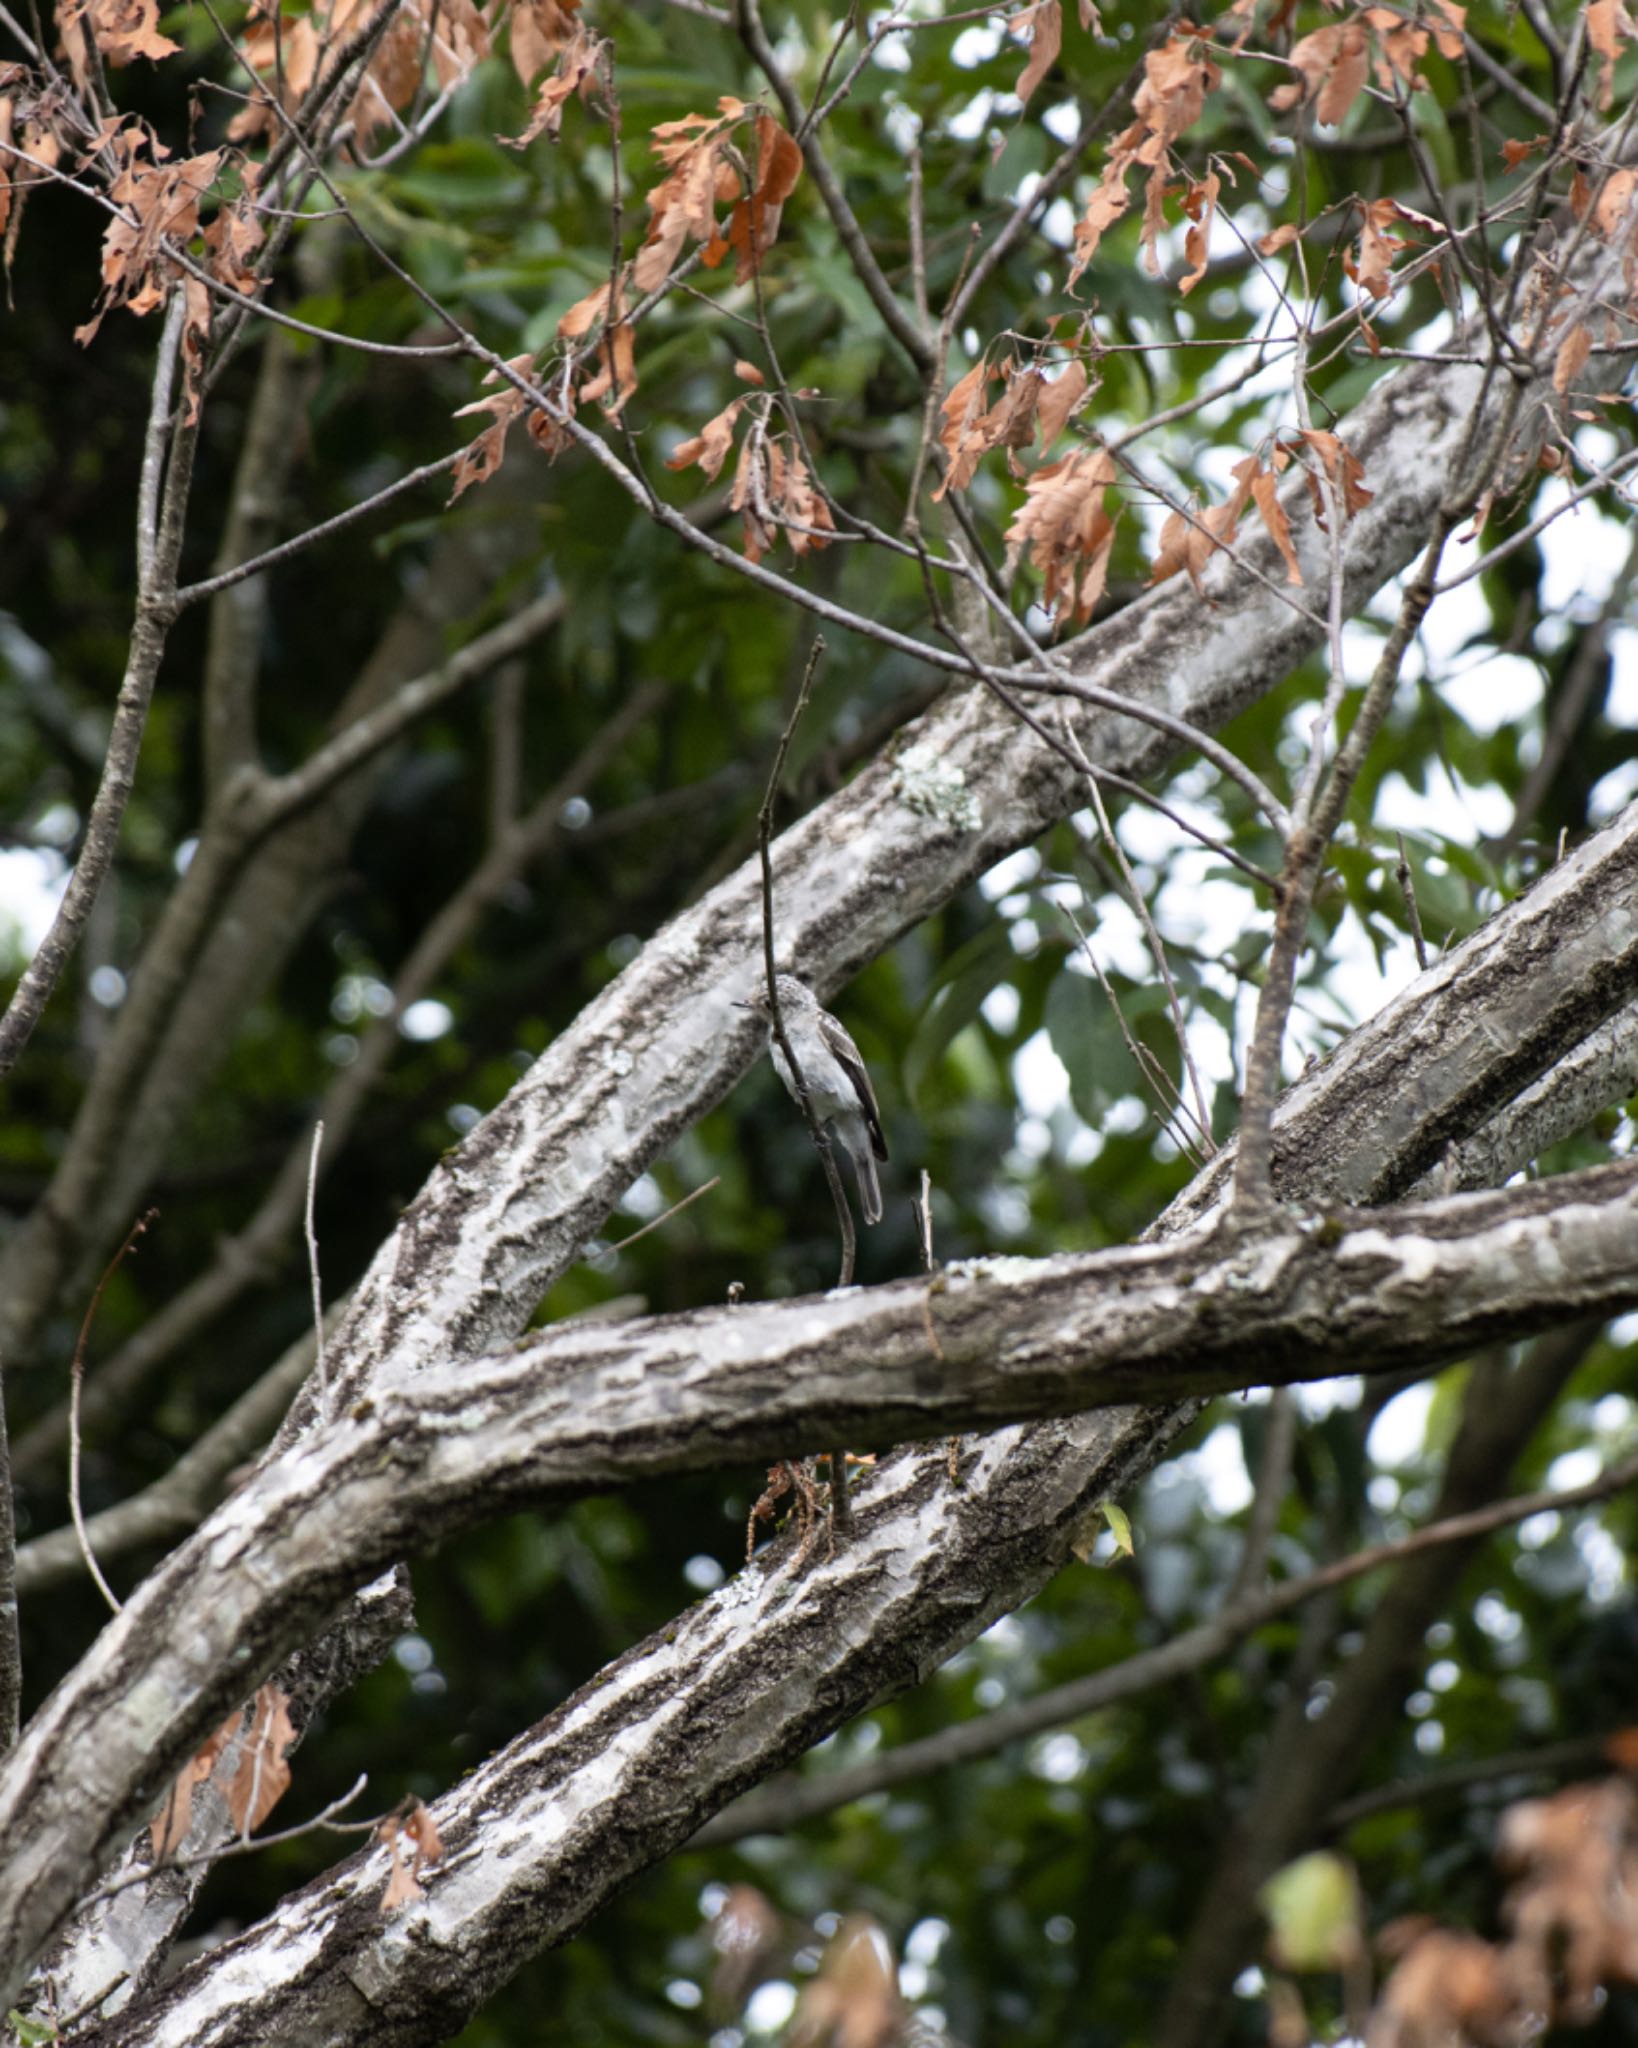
x=313, y=1263
x=76, y=1378
x=816, y=1131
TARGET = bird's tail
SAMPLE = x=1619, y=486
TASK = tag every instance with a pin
x=864, y=1172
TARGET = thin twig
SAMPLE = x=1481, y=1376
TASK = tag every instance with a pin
x=1407, y=887
x=666, y=1215
x=76, y=1379
x=833, y=1179
x=313, y=1264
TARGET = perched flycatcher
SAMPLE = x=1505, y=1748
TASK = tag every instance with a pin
x=837, y=1084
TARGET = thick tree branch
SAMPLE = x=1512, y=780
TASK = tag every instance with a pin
x=159, y=544
x=585, y=1406
x=788, y=1802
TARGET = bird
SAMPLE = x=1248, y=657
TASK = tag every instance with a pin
x=837, y=1083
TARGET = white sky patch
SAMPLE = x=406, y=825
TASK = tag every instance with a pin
x=1063, y=124
x=1503, y=689
x=1448, y=808
x=1219, y=1468
x=31, y=887
x=1325, y=1397
x=426, y=1020
x=1399, y=1434
x=769, y=2007
x=1041, y=1078
x=1574, y=1468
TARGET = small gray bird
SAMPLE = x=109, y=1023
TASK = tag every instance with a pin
x=838, y=1086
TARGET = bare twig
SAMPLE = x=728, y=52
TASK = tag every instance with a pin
x=1407, y=888
x=816, y=1131
x=76, y=1378
x=666, y=1215
x=313, y=1262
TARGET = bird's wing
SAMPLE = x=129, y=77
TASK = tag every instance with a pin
x=838, y=1042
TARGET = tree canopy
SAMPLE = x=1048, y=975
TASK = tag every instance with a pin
x=1102, y=541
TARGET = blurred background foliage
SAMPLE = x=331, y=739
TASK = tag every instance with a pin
x=1041, y=1893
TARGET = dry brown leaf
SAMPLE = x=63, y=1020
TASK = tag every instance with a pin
x=1108, y=202
x=1377, y=249
x=482, y=457
x=1347, y=77
x=615, y=378
x=1200, y=204
x=414, y=1821
x=1574, y=1930
x=748, y=1936
x=1059, y=399
x=754, y=222
x=1064, y=526
x=1045, y=22
x=584, y=314
x=574, y=75
x=1331, y=64
x=1516, y=153
x=682, y=204
x=854, y=2000
x=234, y=238
x=1154, y=219
x=1344, y=469
x=262, y=1777
x=1447, y=1988
x=195, y=340
x=710, y=446
x=1448, y=33
x=1278, y=238
x=1186, y=543
x=1010, y=422
x=169, y=1827
x=128, y=29
x=1265, y=493
x=962, y=434
x=1613, y=204
x=540, y=28
x=1571, y=359
x=1170, y=98
x=1400, y=47
x=1608, y=26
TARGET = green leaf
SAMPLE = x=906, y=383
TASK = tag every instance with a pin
x=1313, y=1913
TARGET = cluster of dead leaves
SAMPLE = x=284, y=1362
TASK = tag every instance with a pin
x=853, y=1998
x=577, y=72
x=1029, y=404
x=160, y=201
x=774, y=490
x=480, y=459
x=120, y=30
x=1170, y=99
x=250, y=1748
x=1043, y=23
x=288, y=54
x=1571, y=1915
x=34, y=118
x=1333, y=64
x=706, y=168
